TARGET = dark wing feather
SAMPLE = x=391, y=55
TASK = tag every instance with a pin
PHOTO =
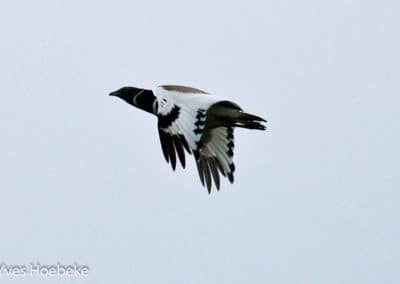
x=179, y=150
x=214, y=170
x=171, y=150
x=173, y=145
x=200, y=169
x=184, y=143
x=164, y=144
x=207, y=174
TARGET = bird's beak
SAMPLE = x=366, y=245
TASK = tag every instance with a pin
x=115, y=94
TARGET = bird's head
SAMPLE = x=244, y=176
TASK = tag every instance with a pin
x=129, y=94
x=140, y=98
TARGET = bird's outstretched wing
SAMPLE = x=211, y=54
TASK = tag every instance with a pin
x=181, y=125
x=215, y=155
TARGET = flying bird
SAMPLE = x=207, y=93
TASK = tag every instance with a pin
x=197, y=122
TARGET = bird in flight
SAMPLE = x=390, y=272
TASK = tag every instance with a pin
x=194, y=121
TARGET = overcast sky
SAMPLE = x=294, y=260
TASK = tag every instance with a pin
x=82, y=177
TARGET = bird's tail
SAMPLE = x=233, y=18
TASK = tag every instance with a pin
x=226, y=113
x=250, y=121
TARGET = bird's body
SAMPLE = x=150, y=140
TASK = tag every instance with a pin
x=194, y=121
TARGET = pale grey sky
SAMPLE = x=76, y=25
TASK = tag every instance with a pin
x=316, y=198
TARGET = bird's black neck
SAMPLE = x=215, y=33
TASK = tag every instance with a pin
x=145, y=101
